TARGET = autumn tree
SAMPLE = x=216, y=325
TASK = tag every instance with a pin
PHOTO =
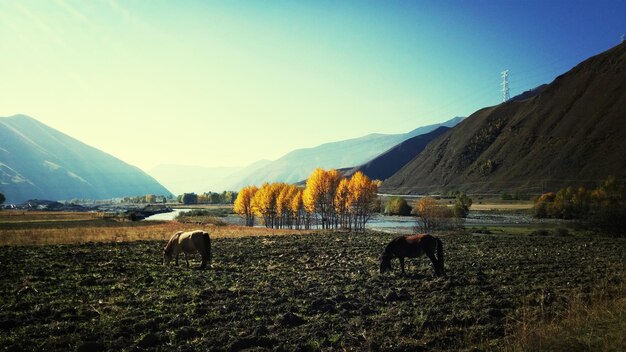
x=285, y=215
x=299, y=214
x=265, y=203
x=336, y=200
x=362, y=195
x=243, y=204
x=432, y=215
x=319, y=195
x=342, y=204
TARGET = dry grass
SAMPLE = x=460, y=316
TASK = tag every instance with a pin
x=16, y=216
x=64, y=228
x=593, y=322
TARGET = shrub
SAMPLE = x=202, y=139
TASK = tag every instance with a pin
x=434, y=216
x=397, y=206
x=462, y=203
x=604, y=208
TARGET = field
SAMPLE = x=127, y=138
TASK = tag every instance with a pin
x=318, y=291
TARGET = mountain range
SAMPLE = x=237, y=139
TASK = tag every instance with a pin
x=37, y=161
x=389, y=162
x=572, y=133
x=297, y=165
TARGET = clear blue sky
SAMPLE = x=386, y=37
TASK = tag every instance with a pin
x=226, y=83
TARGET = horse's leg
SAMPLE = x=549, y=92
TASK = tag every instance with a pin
x=186, y=259
x=434, y=260
x=401, y=264
x=176, y=259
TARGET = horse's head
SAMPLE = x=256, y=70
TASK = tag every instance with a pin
x=167, y=255
x=385, y=263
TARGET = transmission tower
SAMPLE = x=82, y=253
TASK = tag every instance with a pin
x=505, y=85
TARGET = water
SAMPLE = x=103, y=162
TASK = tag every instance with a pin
x=382, y=223
x=166, y=216
x=392, y=224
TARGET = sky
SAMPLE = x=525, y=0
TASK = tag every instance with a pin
x=227, y=83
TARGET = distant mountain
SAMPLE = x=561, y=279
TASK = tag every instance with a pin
x=389, y=162
x=187, y=178
x=298, y=164
x=37, y=161
x=572, y=133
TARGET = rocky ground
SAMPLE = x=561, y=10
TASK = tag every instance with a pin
x=301, y=292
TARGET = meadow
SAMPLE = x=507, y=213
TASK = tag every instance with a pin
x=298, y=291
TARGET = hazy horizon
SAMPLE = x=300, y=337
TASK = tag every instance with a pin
x=227, y=84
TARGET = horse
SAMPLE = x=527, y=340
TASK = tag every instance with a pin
x=413, y=246
x=188, y=243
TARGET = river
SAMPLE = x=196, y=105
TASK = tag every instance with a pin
x=382, y=223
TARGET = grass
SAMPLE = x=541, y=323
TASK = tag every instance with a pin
x=593, y=322
x=45, y=228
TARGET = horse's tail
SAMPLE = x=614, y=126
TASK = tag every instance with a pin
x=206, y=256
x=440, y=256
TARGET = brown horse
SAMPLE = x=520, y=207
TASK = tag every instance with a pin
x=413, y=246
x=188, y=243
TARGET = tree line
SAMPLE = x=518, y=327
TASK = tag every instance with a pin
x=603, y=207
x=329, y=200
x=226, y=197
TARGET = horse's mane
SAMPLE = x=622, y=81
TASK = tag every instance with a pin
x=172, y=242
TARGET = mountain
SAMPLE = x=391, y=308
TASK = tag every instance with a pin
x=572, y=133
x=298, y=164
x=187, y=178
x=37, y=161
x=389, y=162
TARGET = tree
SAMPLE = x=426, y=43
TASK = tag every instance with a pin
x=264, y=203
x=342, y=204
x=190, y=198
x=397, y=206
x=228, y=197
x=2, y=198
x=319, y=195
x=243, y=204
x=362, y=196
x=462, y=203
x=300, y=216
x=433, y=216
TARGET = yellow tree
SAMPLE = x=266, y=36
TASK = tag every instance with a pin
x=243, y=204
x=264, y=203
x=285, y=193
x=319, y=195
x=432, y=214
x=362, y=196
x=342, y=203
x=297, y=210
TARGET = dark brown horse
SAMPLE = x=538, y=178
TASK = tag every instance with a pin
x=188, y=243
x=413, y=246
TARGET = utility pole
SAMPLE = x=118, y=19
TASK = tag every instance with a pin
x=505, y=85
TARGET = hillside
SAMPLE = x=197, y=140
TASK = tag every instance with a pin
x=573, y=132
x=37, y=161
x=298, y=164
x=389, y=162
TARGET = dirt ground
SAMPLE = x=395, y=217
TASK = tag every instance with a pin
x=300, y=292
